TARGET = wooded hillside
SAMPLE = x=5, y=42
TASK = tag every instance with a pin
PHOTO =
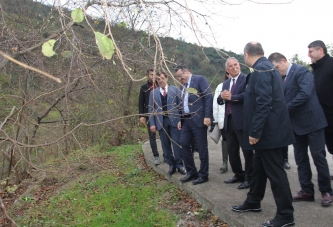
x=96, y=103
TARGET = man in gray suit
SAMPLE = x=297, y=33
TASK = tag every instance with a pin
x=308, y=122
x=163, y=106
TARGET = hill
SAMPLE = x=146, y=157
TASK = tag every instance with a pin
x=96, y=103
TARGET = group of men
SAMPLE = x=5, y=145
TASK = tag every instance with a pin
x=278, y=104
x=181, y=115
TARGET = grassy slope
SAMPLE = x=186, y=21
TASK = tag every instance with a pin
x=126, y=194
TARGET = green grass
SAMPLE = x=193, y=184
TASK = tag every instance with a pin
x=124, y=195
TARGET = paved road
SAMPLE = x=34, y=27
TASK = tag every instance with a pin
x=219, y=197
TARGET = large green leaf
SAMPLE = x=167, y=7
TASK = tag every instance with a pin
x=77, y=15
x=192, y=90
x=105, y=45
x=47, y=48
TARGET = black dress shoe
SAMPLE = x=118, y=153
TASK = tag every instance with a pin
x=244, y=185
x=243, y=208
x=234, y=179
x=200, y=180
x=171, y=171
x=188, y=178
x=182, y=170
x=270, y=224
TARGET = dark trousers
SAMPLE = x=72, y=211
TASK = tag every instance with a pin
x=234, y=141
x=269, y=164
x=152, y=140
x=316, y=142
x=285, y=153
x=329, y=142
x=189, y=131
x=224, y=134
x=171, y=135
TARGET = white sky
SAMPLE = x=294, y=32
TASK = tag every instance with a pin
x=284, y=28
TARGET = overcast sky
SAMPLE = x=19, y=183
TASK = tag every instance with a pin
x=284, y=28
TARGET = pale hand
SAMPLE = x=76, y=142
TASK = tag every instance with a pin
x=226, y=95
x=179, y=126
x=252, y=140
x=153, y=128
x=207, y=121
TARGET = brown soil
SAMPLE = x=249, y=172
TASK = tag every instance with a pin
x=41, y=184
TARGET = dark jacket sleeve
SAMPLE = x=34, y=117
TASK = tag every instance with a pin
x=141, y=103
x=220, y=100
x=207, y=95
x=304, y=82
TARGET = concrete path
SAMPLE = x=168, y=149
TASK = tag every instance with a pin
x=220, y=197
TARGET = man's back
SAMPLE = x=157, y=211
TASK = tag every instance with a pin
x=265, y=111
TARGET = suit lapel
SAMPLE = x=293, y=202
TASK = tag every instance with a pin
x=226, y=85
x=157, y=97
x=239, y=80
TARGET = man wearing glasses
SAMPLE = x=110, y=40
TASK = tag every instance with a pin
x=196, y=112
x=322, y=65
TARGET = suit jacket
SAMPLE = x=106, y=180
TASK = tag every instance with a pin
x=265, y=111
x=144, y=99
x=236, y=101
x=305, y=112
x=200, y=104
x=155, y=107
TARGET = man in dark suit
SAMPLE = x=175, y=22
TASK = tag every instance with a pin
x=265, y=114
x=308, y=122
x=322, y=65
x=232, y=95
x=143, y=110
x=163, y=108
x=196, y=111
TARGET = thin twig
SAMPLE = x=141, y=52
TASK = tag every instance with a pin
x=30, y=67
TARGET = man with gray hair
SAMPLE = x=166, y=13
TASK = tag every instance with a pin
x=232, y=95
x=266, y=114
x=322, y=65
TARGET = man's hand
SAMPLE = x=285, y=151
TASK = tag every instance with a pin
x=153, y=128
x=226, y=95
x=143, y=121
x=252, y=140
x=179, y=126
x=207, y=121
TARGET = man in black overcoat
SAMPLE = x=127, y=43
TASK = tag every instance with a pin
x=265, y=114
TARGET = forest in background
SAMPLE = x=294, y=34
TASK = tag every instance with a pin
x=96, y=103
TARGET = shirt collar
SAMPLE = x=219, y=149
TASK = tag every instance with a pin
x=288, y=69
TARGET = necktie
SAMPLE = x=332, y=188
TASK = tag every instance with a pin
x=228, y=102
x=164, y=92
x=183, y=97
x=283, y=79
x=184, y=90
x=233, y=86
